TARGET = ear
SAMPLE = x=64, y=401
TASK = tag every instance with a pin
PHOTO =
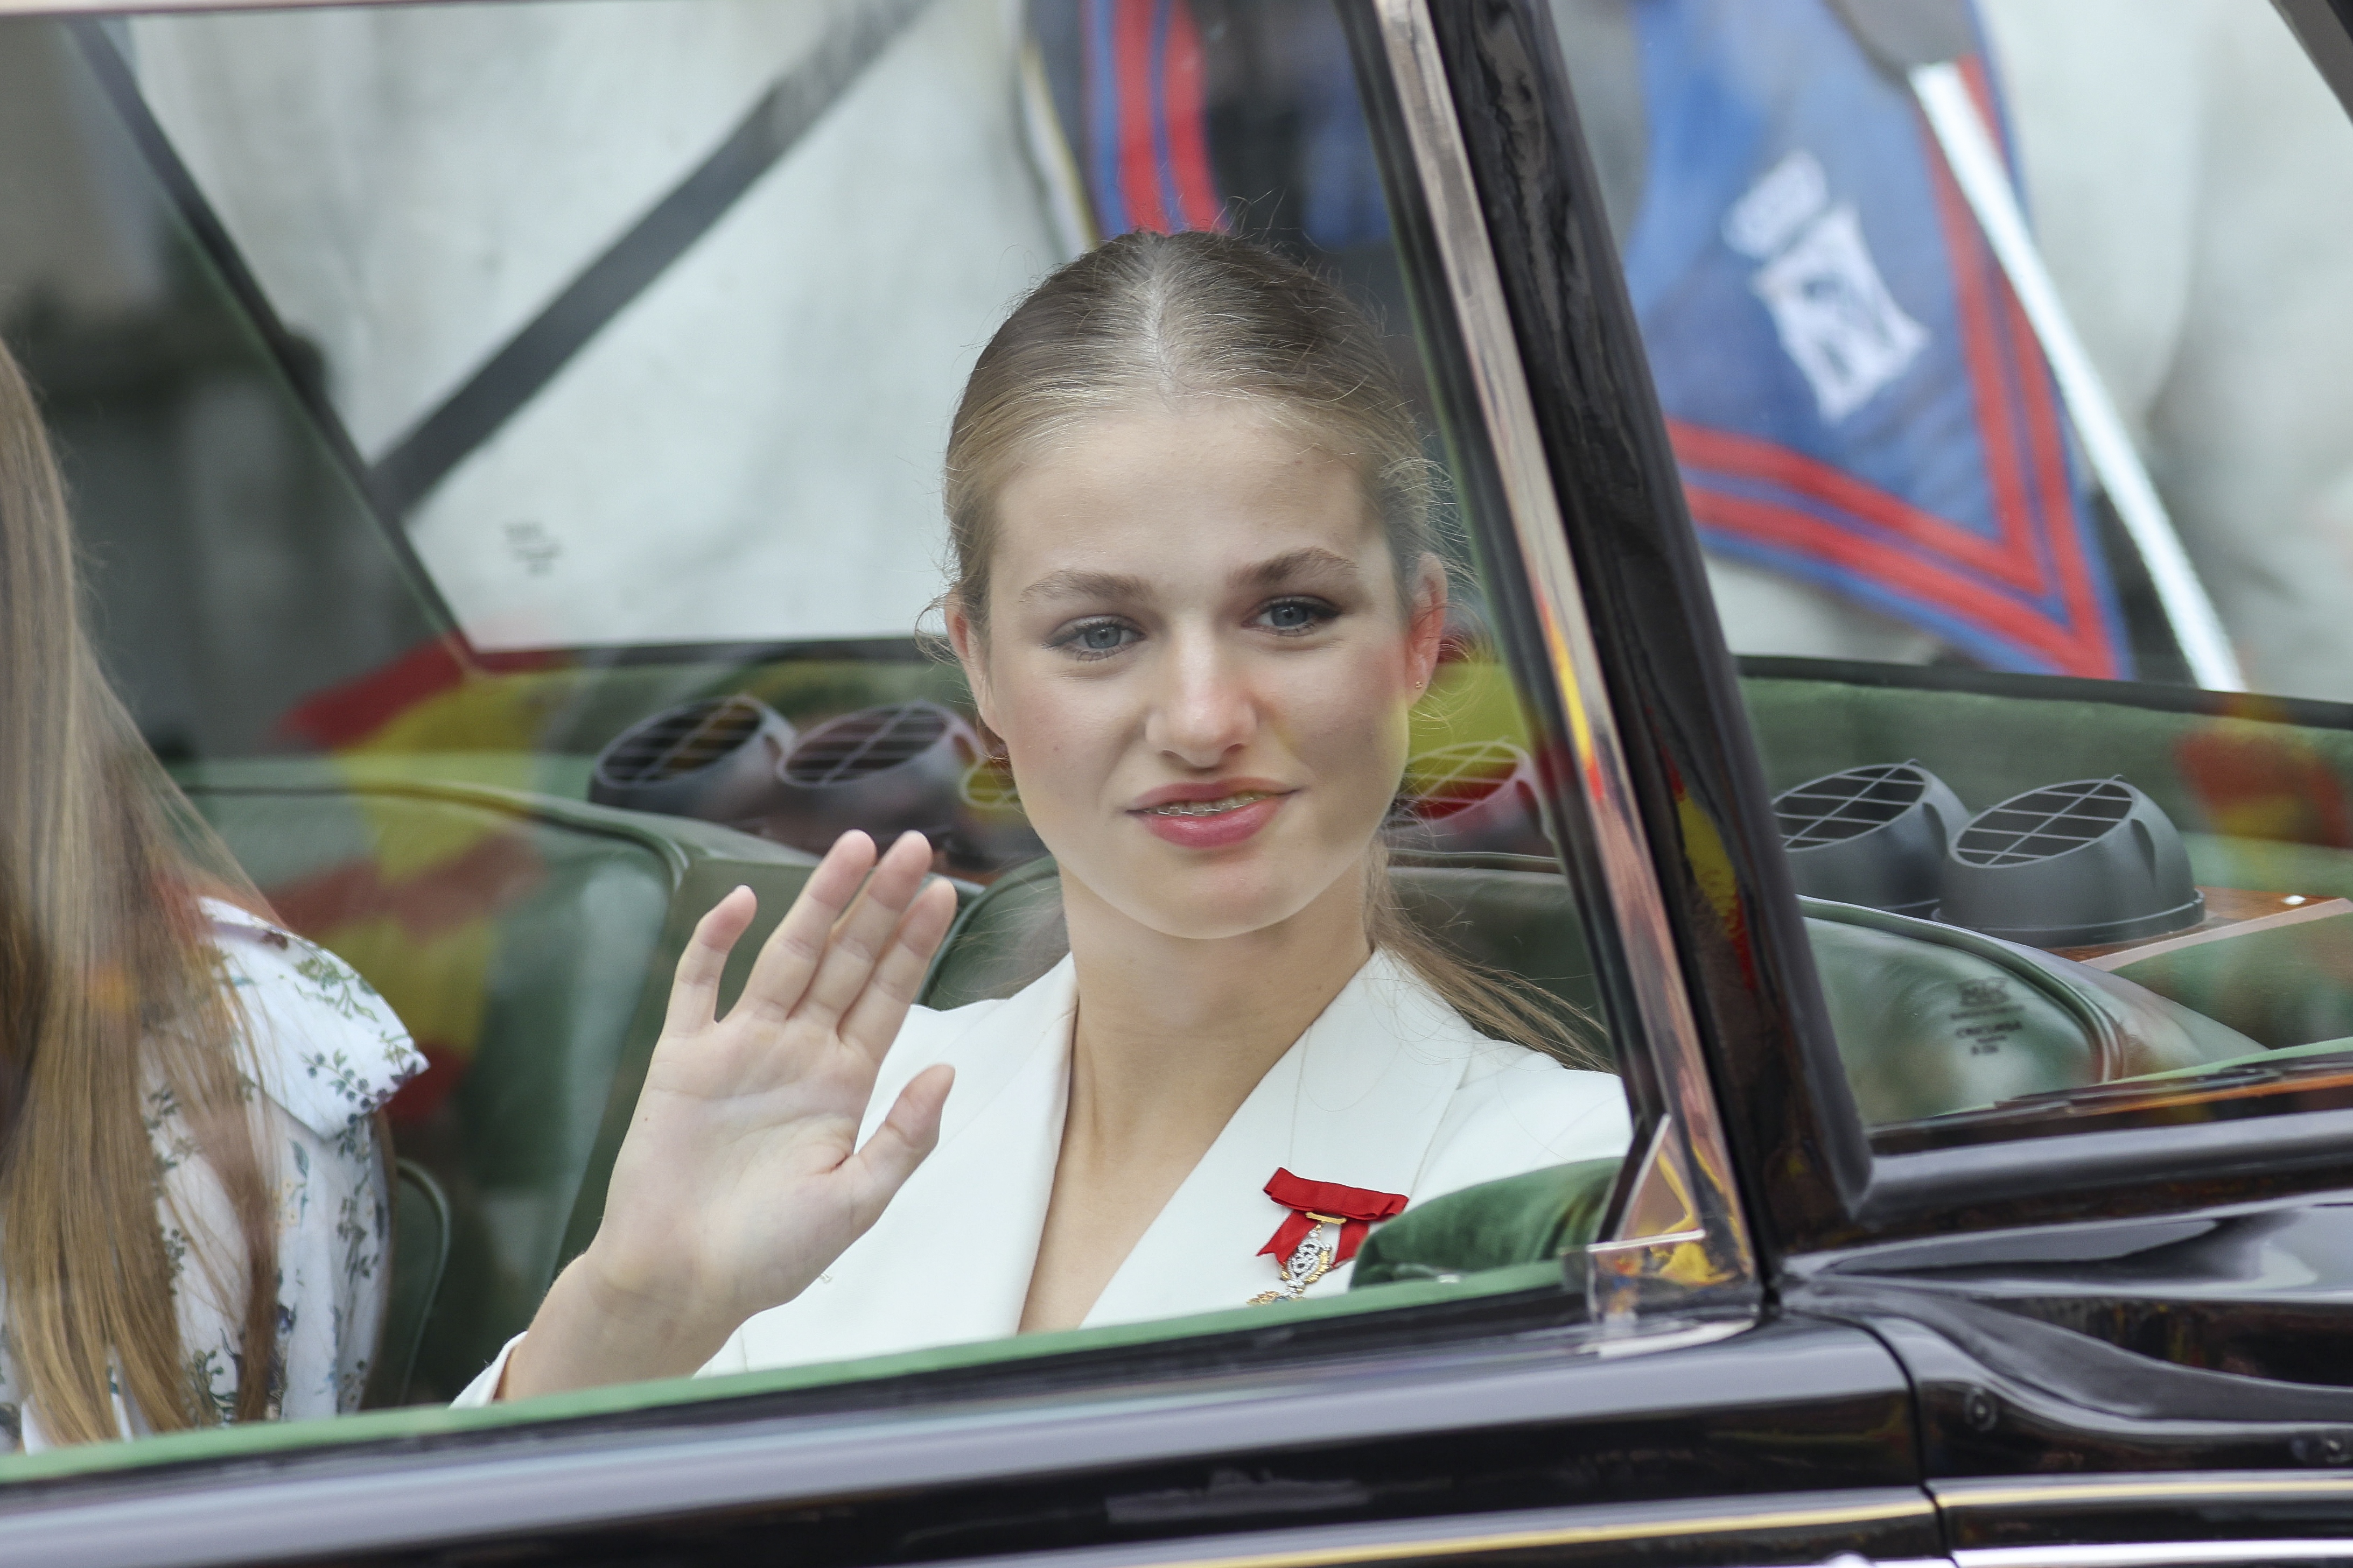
x=1426, y=624
x=972, y=652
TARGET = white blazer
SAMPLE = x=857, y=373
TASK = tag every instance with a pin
x=1388, y=1089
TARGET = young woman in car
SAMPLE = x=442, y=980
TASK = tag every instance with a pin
x=192, y=1199
x=1195, y=597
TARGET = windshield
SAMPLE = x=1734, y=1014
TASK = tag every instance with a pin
x=2001, y=348
x=609, y=337
x=511, y=458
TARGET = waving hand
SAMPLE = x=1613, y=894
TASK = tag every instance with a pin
x=741, y=1178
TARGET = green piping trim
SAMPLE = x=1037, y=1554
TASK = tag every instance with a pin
x=679, y=841
x=2259, y=1059
x=263, y=1439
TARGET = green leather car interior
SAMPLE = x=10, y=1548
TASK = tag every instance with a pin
x=1931, y=1018
x=1513, y=913
x=528, y=940
x=2262, y=804
x=420, y=1256
x=1520, y=1219
x=528, y=943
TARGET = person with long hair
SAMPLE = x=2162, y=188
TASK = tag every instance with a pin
x=193, y=1201
x=1196, y=596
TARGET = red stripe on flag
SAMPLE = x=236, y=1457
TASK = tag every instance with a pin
x=2025, y=458
x=490, y=877
x=1980, y=353
x=1189, y=146
x=1900, y=569
x=1139, y=175
x=2047, y=455
x=1719, y=451
x=358, y=709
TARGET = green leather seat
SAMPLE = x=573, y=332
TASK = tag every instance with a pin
x=420, y=1256
x=1507, y=911
x=1929, y=1019
x=1932, y=1019
x=1527, y=1218
x=528, y=943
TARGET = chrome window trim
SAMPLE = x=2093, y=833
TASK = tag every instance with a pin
x=1708, y=1239
x=2156, y=1554
x=1629, y=1524
x=2005, y=1494
x=2017, y=1499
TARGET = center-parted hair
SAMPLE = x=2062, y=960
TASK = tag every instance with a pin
x=1170, y=319
x=1178, y=318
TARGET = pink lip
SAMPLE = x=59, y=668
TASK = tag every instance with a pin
x=1214, y=831
x=1206, y=789
x=1227, y=827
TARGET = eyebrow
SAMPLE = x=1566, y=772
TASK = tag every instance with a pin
x=1310, y=561
x=1072, y=583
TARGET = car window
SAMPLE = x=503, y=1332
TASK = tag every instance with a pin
x=2000, y=346
x=505, y=444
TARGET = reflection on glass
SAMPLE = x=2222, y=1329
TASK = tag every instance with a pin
x=195, y=1199
x=512, y=495
x=1194, y=597
x=2036, y=905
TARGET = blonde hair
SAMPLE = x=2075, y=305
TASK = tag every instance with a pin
x=1174, y=317
x=110, y=998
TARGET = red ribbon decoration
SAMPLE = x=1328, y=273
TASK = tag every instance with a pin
x=1312, y=1203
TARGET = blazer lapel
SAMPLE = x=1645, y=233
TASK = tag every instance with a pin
x=1357, y=1101
x=951, y=1258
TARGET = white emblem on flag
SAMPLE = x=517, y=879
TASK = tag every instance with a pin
x=1833, y=312
x=1776, y=206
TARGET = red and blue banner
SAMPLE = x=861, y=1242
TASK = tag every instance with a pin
x=1145, y=150
x=1854, y=396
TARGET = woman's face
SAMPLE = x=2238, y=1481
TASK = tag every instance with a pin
x=1200, y=664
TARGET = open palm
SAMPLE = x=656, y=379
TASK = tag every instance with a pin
x=741, y=1178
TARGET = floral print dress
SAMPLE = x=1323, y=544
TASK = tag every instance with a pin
x=328, y=1053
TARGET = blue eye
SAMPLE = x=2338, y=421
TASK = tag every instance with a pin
x=1296, y=616
x=1096, y=639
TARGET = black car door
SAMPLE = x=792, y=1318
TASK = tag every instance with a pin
x=1867, y=251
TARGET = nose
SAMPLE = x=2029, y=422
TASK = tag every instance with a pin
x=1205, y=710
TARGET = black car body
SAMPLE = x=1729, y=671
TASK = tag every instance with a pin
x=2099, y=1325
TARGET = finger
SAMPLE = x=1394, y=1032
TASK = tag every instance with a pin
x=873, y=1020
x=694, y=993
x=904, y=1141
x=862, y=937
x=794, y=950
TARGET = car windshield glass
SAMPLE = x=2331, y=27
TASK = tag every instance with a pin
x=506, y=454
x=652, y=342
x=2001, y=346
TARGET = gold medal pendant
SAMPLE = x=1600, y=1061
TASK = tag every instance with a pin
x=1311, y=1260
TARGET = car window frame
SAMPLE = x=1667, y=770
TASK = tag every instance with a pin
x=1802, y=1151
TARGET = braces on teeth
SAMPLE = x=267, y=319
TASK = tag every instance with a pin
x=1205, y=807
